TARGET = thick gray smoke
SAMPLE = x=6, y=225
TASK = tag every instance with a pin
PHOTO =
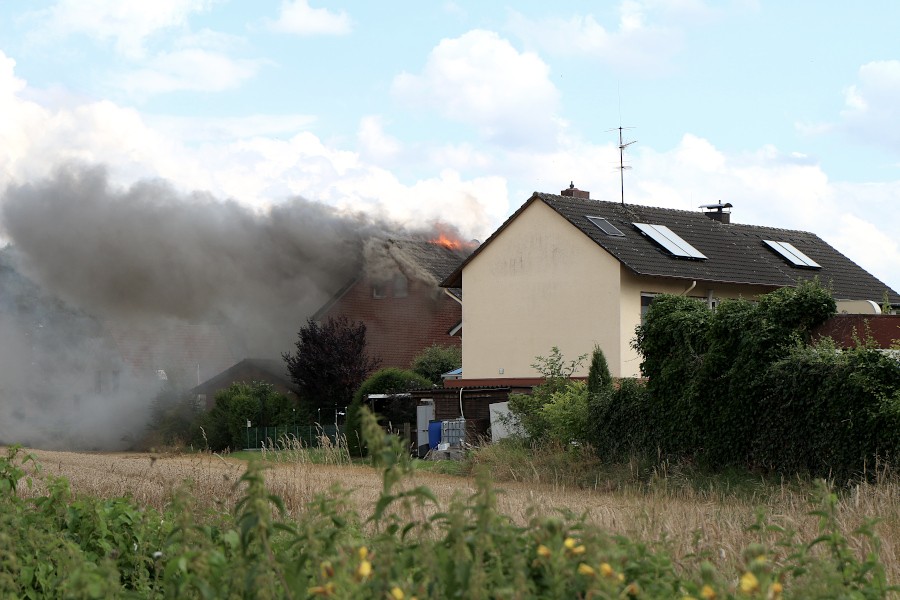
x=100, y=283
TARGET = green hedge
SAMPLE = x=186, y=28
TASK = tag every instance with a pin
x=742, y=385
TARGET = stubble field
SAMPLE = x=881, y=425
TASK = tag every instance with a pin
x=687, y=521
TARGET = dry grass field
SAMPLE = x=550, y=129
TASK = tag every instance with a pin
x=687, y=520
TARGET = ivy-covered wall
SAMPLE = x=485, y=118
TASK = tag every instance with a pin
x=743, y=385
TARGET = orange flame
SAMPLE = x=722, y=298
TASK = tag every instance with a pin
x=447, y=242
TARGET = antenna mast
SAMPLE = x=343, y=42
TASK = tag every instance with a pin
x=622, y=166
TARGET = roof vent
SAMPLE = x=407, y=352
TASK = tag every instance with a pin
x=574, y=192
x=716, y=212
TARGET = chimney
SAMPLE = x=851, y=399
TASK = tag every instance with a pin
x=716, y=212
x=574, y=192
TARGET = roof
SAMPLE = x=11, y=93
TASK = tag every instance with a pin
x=420, y=259
x=735, y=253
x=277, y=369
x=424, y=258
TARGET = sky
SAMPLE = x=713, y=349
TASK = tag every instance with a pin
x=457, y=111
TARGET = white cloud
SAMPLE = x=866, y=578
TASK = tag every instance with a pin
x=298, y=17
x=129, y=24
x=193, y=69
x=374, y=143
x=873, y=104
x=482, y=80
x=216, y=129
x=256, y=169
x=634, y=44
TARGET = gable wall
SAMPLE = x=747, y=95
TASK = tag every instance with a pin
x=540, y=283
x=397, y=329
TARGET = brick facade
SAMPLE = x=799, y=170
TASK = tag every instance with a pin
x=399, y=326
x=882, y=329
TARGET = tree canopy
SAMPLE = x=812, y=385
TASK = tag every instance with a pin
x=330, y=362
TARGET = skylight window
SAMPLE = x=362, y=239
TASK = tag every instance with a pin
x=792, y=255
x=605, y=226
x=669, y=240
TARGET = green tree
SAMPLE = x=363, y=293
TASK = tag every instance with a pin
x=527, y=408
x=260, y=403
x=436, y=360
x=599, y=377
x=395, y=410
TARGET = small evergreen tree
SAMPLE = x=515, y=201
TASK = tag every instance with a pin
x=599, y=377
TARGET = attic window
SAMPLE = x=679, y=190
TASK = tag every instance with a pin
x=605, y=226
x=401, y=286
x=379, y=290
x=669, y=240
x=792, y=255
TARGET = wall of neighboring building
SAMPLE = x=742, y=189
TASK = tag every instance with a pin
x=398, y=327
x=634, y=286
x=848, y=331
x=540, y=283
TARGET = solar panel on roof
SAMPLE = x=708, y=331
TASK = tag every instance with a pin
x=605, y=226
x=792, y=255
x=669, y=240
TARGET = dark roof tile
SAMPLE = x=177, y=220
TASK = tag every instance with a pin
x=735, y=253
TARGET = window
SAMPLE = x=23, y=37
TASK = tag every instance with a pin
x=669, y=240
x=646, y=301
x=605, y=226
x=379, y=290
x=792, y=255
x=401, y=286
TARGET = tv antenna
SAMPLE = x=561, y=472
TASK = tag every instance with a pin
x=622, y=165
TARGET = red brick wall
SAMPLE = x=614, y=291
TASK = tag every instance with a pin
x=397, y=329
x=882, y=328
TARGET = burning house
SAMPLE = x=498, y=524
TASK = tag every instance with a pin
x=396, y=294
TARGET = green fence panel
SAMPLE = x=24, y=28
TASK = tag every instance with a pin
x=307, y=435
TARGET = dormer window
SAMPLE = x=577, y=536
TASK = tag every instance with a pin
x=379, y=290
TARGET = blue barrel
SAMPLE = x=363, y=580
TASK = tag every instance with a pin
x=434, y=434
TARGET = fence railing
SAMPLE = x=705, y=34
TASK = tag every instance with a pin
x=308, y=435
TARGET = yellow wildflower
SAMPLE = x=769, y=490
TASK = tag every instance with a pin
x=749, y=583
x=633, y=589
x=397, y=593
x=569, y=543
x=363, y=553
x=775, y=590
x=322, y=590
x=543, y=551
x=586, y=570
x=620, y=577
x=364, y=569
x=327, y=569
x=707, y=593
x=578, y=550
x=606, y=570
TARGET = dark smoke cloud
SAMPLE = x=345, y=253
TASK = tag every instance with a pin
x=147, y=259
x=148, y=252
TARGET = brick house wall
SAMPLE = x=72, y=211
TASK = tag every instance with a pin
x=399, y=326
x=883, y=329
